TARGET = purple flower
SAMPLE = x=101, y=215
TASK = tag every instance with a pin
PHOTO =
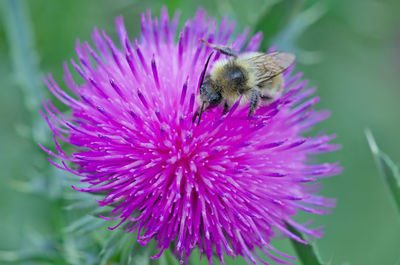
x=225, y=186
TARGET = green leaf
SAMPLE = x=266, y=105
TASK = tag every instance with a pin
x=85, y=224
x=110, y=247
x=308, y=254
x=23, y=256
x=171, y=260
x=387, y=168
x=82, y=204
x=287, y=38
x=276, y=18
x=286, y=22
x=70, y=250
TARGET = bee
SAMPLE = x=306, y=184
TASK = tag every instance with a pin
x=254, y=76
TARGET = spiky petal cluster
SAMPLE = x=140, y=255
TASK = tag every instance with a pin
x=225, y=186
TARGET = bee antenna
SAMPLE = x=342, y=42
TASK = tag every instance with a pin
x=205, y=42
x=201, y=112
x=203, y=74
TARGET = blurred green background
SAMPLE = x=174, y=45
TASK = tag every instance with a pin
x=350, y=50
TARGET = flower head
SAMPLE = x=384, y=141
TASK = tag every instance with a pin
x=227, y=185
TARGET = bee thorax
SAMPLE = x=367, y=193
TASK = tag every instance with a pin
x=232, y=78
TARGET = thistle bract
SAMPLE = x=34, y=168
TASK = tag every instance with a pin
x=226, y=186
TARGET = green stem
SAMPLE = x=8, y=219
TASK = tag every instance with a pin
x=308, y=254
x=23, y=55
x=387, y=168
x=25, y=61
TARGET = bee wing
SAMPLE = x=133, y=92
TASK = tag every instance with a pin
x=269, y=65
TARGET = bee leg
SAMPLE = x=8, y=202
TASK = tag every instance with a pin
x=253, y=102
x=226, y=108
x=266, y=97
x=222, y=49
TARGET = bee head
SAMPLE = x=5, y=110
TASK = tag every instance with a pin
x=208, y=94
x=209, y=97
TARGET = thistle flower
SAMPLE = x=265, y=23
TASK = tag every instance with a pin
x=226, y=186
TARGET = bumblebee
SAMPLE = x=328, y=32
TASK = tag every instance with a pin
x=254, y=76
